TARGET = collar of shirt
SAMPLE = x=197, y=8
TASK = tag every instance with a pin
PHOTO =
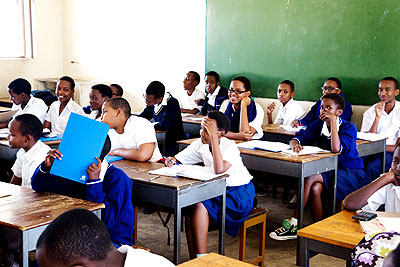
x=325, y=131
x=104, y=167
x=284, y=107
x=211, y=97
x=157, y=107
x=31, y=152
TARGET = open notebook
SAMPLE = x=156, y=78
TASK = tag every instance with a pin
x=264, y=145
x=307, y=150
x=188, y=171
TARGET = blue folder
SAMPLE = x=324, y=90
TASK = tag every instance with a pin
x=82, y=141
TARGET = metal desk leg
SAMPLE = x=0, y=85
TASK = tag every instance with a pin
x=221, y=249
x=304, y=253
x=25, y=248
x=333, y=186
x=177, y=231
x=384, y=156
x=301, y=199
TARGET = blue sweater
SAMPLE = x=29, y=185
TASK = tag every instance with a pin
x=221, y=96
x=115, y=192
x=348, y=157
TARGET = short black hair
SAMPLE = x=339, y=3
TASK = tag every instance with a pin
x=223, y=122
x=119, y=102
x=155, y=88
x=196, y=76
x=396, y=82
x=120, y=91
x=213, y=74
x=288, y=82
x=338, y=99
x=75, y=234
x=68, y=79
x=30, y=124
x=394, y=258
x=338, y=82
x=20, y=85
x=106, y=148
x=103, y=89
x=244, y=80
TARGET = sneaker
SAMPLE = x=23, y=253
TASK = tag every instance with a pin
x=286, y=232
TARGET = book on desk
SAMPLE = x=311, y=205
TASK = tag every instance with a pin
x=196, y=172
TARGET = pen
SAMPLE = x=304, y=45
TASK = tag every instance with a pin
x=173, y=163
x=153, y=178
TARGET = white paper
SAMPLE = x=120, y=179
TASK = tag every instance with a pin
x=370, y=136
x=264, y=145
x=305, y=151
x=195, y=119
x=390, y=223
x=189, y=171
x=289, y=128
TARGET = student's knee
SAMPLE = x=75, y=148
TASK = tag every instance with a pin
x=316, y=189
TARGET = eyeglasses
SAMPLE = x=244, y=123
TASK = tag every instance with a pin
x=147, y=100
x=329, y=89
x=236, y=92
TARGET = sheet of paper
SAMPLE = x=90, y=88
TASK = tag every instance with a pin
x=390, y=223
x=370, y=136
x=188, y=171
x=288, y=127
x=195, y=119
x=264, y=145
x=173, y=171
x=306, y=151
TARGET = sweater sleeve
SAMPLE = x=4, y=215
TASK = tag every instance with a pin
x=309, y=135
x=146, y=113
x=169, y=117
x=41, y=180
x=348, y=137
x=311, y=115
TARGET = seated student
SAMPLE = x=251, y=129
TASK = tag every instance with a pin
x=25, y=131
x=245, y=114
x=78, y=238
x=332, y=133
x=107, y=184
x=20, y=93
x=393, y=258
x=97, y=96
x=58, y=114
x=163, y=108
x=331, y=85
x=117, y=90
x=290, y=110
x=216, y=94
x=383, y=118
x=187, y=101
x=132, y=137
x=222, y=154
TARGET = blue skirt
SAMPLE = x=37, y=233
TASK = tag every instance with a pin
x=348, y=181
x=239, y=204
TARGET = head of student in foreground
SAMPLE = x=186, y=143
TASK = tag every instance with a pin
x=285, y=91
x=117, y=90
x=332, y=85
x=393, y=258
x=332, y=106
x=154, y=93
x=98, y=95
x=116, y=111
x=212, y=81
x=25, y=131
x=191, y=80
x=19, y=91
x=388, y=89
x=239, y=88
x=65, y=89
x=215, y=124
x=77, y=238
x=396, y=165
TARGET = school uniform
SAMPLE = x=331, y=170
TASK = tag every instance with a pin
x=27, y=162
x=187, y=101
x=137, y=131
x=389, y=195
x=59, y=121
x=87, y=109
x=288, y=113
x=213, y=101
x=240, y=190
x=93, y=114
x=314, y=112
x=350, y=172
x=255, y=115
x=114, y=189
x=168, y=116
x=142, y=258
x=35, y=106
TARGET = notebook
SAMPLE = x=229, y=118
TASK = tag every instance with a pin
x=6, y=116
x=305, y=151
x=264, y=145
x=82, y=141
x=188, y=171
x=370, y=136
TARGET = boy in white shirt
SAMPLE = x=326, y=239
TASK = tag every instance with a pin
x=97, y=96
x=132, y=137
x=25, y=131
x=188, y=101
x=290, y=110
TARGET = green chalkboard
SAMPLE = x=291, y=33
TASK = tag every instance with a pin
x=305, y=41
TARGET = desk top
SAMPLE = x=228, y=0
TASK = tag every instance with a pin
x=4, y=109
x=195, y=119
x=215, y=260
x=22, y=208
x=6, y=100
x=339, y=229
x=277, y=129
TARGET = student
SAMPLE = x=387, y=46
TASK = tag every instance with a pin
x=97, y=96
x=132, y=137
x=332, y=133
x=163, y=108
x=57, y=117
x=117, y=90
x=383, y=118
x=290, y=110
x=331, y=85
x=25, y=131
x=20, y=93
x=221, y=154
x=78, y=238
x=216, y=94
x=393, y=258
x=107, y=184
x=187, y=101
x=245, y=114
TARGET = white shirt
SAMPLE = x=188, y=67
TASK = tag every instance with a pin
x=288, y=113
x=92, y=115
x=198, y=152
x=59, y=121
x=137, y=131
x=35, y=106
x=27, y=162
x=211, y=97
x=389, y=124
x=388, y=195
x=142, y=258
x=256, y=123
x=187, y=101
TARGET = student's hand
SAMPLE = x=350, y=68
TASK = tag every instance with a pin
x=327, y=116
x=112, y=152
x=295, y=123
x=379, y=108
x=295, y=146
x=170, y=161
x=245, y=101
x=270, y=108
x=197, y=101
x=245, y=135
x=94, y=170
x=210, y=126
x=51, y=155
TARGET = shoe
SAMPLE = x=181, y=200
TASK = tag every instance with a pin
x=286, y=232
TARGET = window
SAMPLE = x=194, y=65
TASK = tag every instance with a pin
x=16, y=29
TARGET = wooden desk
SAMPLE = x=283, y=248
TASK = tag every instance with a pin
x=4, y=109
x=24, y=214
x=274, y=132
x=6, y=102
x=334, y=236
x=8, y=153
x=191, y=123
x=175, y=193
x=215, y=260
